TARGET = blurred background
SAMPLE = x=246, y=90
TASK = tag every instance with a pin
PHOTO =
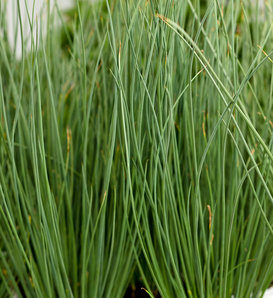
x=32, y=12
x=35, y=12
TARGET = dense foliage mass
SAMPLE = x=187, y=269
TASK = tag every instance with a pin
x=136, y=146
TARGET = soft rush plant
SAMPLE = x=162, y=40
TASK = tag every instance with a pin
x=63, y=227
x=138, y=138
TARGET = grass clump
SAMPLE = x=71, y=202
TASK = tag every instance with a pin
x=136, y=144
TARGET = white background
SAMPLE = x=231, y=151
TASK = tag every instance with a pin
x=36, y=9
